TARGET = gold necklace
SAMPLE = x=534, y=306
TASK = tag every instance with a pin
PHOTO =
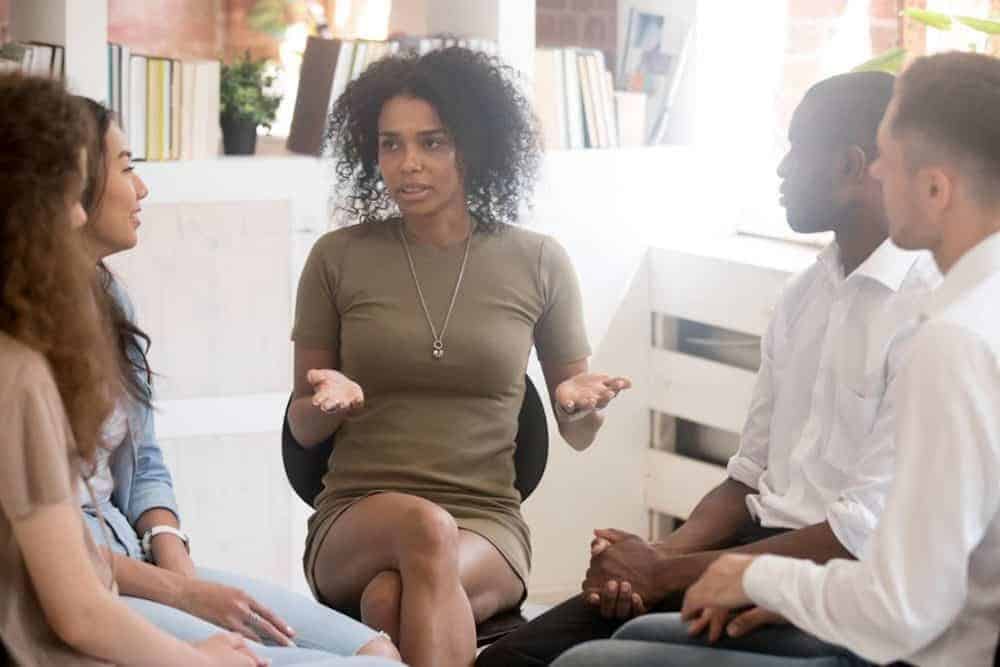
x=437, y=348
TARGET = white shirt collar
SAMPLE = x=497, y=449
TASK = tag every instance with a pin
x=982, y=261
x=888, y=264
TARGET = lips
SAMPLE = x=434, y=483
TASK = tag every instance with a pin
x=413, y=191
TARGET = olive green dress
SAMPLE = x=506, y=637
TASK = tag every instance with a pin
x=441, y=429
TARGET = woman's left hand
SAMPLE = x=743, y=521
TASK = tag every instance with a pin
x=589, y=391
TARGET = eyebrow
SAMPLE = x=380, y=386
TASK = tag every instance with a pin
x=422, y=133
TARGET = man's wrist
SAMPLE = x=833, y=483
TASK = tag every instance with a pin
x=674, y=573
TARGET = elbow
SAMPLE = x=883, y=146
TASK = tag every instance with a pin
x=75, y=627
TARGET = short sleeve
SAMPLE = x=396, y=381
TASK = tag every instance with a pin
x=317, y=322
x=560, y=333
x=35, y=443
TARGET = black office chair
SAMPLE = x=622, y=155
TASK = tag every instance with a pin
x=305, y=469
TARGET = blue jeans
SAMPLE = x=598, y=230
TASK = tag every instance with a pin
x=322, y=635
x=662, y=640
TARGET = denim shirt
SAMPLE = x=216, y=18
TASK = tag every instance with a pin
x=142, y=481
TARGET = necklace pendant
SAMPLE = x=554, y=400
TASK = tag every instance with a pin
x=438, y=350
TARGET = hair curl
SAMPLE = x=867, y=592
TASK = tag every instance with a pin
x=131, y=342
x=47, y=282
x=481, y=105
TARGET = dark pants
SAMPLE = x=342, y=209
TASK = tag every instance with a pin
x=573, y=622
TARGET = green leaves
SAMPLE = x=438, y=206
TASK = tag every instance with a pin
x=929, y=18
x=941, y=21
x=986, y=26
x=891, y=61
x=244, y=91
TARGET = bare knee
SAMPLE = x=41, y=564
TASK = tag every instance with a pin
x=380, y=602
x=380, y=647
x=426, y=529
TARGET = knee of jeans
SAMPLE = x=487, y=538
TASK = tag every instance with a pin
x=593, y=654
x=655, y=627
x=380, y=647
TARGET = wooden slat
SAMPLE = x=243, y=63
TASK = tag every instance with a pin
x=716, y=291
x=699, y=390
x=675, y=484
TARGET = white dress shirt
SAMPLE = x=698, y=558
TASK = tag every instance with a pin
x=928, y=591
x=818, y=443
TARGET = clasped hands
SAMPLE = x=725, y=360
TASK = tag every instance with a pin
x=629, y=576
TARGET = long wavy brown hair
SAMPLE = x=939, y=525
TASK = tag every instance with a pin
x=48, y=290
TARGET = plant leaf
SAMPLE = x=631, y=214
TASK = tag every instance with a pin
x=987, y=26
x=929, y=18
x=891, y=61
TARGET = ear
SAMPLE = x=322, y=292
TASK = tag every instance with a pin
x=854, y=165
x=935, y=188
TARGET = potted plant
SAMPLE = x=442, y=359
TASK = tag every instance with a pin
x=246, y=104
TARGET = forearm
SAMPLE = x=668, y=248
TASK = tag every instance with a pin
x=816, y=543
x=169, y=551
x=715, y=522
x=149, y=582
x=79, y=607
x=580, y=434
x=111, y=631
x=310, y=425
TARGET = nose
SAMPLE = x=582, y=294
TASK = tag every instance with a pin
x=411, y=160
x=141, y=189
x=782, y=170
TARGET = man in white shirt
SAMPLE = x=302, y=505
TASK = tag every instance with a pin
x=816, y=454
x=927, y=590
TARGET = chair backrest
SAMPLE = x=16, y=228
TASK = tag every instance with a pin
x=305, y=467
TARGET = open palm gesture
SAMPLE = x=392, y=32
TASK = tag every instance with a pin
x=589, y=391
x=334, y=391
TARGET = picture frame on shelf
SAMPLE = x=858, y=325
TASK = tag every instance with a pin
x=652, y=60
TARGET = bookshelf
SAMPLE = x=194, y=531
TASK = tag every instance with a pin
x=81, y=26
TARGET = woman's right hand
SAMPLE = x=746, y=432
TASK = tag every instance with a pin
x=334, y=392
x=228, y=650
x=234, y=610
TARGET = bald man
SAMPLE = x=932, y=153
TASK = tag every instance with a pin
x=816, y=454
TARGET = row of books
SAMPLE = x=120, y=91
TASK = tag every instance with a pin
x=33, y=58
x=168, y=109
x=328, y=65
x=575, y=99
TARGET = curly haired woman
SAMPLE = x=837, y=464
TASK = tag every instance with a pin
x=412, y=335
x=58, y=604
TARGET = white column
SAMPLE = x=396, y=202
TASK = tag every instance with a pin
x=510, y=23
x=81, y=26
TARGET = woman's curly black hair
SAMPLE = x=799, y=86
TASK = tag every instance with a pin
x=478, y=100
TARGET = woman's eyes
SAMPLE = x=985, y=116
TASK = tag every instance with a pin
x=428, y=144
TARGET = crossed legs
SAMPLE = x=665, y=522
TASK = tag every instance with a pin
x=403, y=561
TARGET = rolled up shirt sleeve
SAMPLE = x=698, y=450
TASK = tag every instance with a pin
x=747, y=466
